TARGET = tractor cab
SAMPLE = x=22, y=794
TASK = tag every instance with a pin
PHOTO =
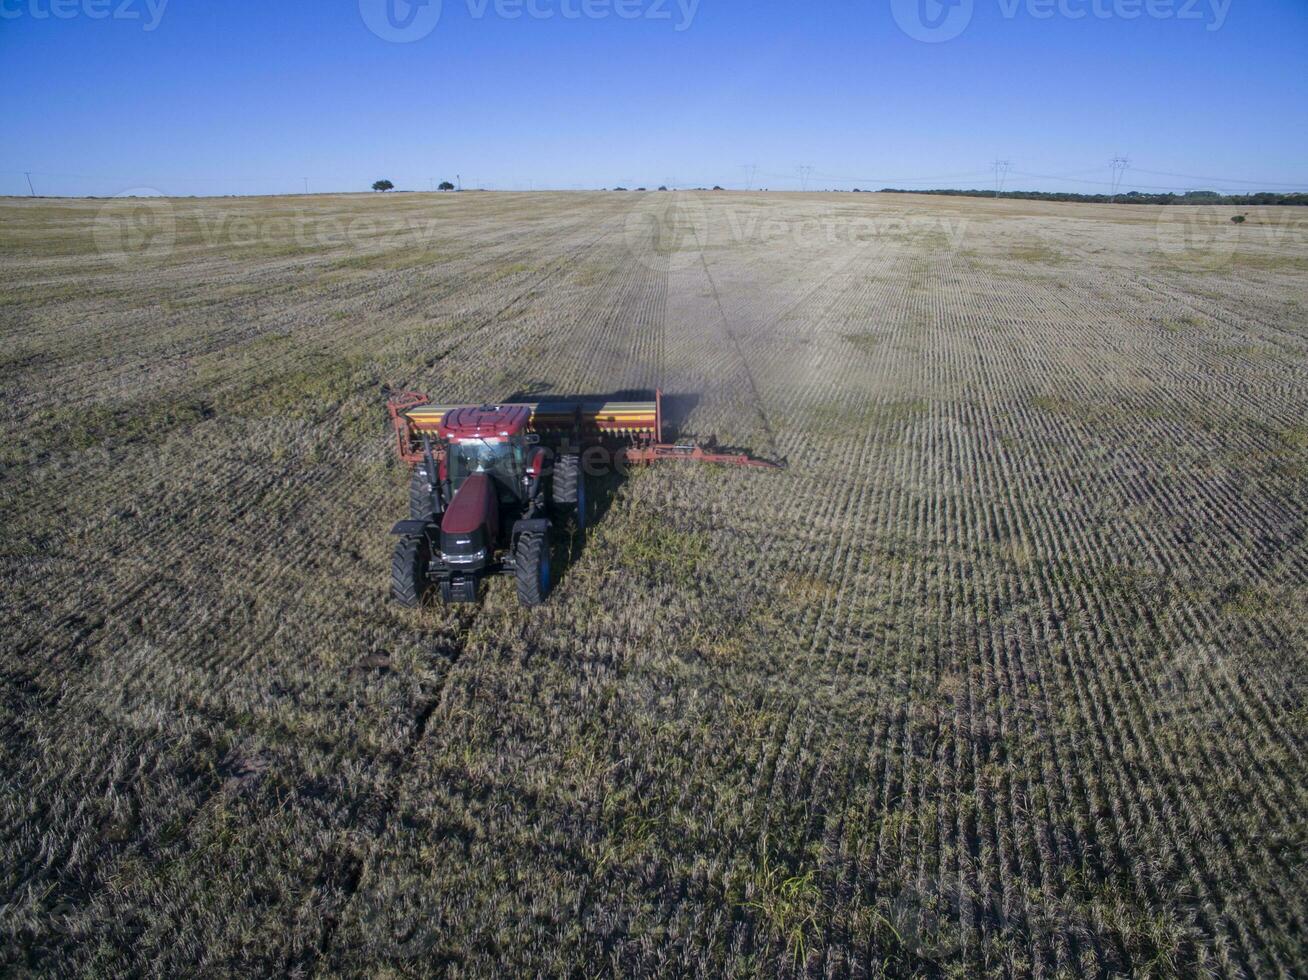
x=503, y=460
x=490, y=440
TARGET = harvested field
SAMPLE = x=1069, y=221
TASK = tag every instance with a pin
x=1005, y=672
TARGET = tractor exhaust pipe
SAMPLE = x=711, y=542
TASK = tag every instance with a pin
x=433, y=476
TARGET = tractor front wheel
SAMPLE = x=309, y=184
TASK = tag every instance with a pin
x=409, y=579
x=532, y=568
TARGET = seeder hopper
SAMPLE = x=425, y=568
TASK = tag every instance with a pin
x=490, y=484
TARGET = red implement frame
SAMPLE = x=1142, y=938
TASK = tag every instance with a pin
x=661, y=451
x=596, y=425
x=406, y=444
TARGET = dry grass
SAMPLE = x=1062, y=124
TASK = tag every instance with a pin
x=1005, y=674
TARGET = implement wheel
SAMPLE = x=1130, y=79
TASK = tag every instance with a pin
x=532, y=562
x=409, y=581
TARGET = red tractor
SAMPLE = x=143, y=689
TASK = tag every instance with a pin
x=490, y=483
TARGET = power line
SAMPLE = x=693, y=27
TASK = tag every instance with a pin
x=1106, y=183
x=805, y=172
x=1079, y=180
x=29, y=182
x=1119, y=165
x=905, y=180
x=1224, y=180
x=1001, y=173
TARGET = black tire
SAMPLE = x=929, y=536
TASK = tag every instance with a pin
x=409, y=581
x=568, y=481
x=420, y=502
x=532, y=563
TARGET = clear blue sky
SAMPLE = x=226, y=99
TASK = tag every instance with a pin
x=242, y=96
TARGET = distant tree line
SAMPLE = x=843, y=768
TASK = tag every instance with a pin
x=1132, y=197
x=386, y=185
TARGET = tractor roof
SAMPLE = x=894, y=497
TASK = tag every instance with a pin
x=485, y=421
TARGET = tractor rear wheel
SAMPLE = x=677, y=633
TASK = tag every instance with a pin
x=570, y=486
x=421, y=507
x=409, y=580
x=567, y=479
x=532, y=568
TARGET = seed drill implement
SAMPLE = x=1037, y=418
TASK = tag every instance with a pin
x=491, y=484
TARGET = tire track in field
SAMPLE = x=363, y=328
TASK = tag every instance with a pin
x=457, y=650
x=755, y=394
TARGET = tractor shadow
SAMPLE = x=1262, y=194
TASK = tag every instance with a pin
x=570, y=543
x=604, y=480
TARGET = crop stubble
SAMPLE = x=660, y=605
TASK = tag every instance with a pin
x=1006, y=671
